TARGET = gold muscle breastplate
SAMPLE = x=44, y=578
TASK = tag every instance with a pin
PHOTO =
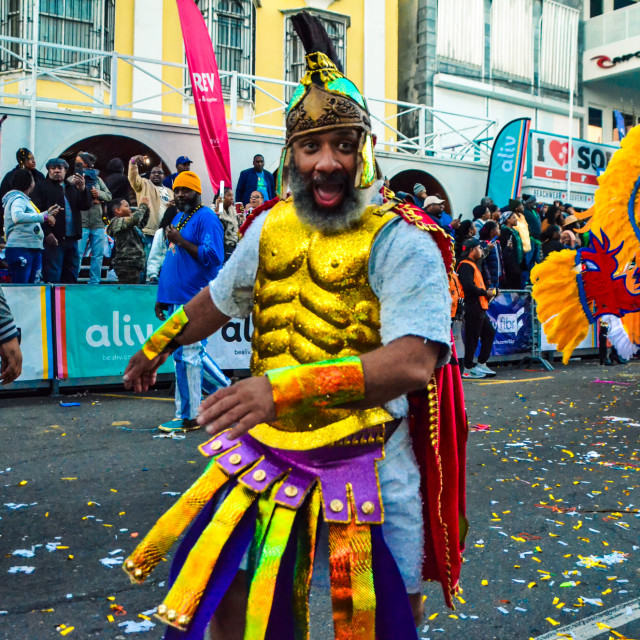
x=313, y=302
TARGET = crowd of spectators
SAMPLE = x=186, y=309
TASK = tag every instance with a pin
x=119, y=220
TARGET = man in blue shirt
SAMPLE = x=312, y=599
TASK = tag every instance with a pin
x=255, y=179
x=183, y=163
x=194, y=257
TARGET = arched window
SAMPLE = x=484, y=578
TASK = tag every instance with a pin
x=231, y=25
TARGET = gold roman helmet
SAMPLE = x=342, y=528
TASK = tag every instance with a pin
x=325, y=100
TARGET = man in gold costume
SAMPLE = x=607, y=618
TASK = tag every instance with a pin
x=351, y=307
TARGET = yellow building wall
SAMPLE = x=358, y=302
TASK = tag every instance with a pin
x=269, y=58
x=123, y=43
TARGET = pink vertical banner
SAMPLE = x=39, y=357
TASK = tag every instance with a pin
x=207, y=93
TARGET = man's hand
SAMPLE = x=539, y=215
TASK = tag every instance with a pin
x=79, y=182
x=173, y=235
x=51, y=241
x=137, y=160
x=94, y=192
x=240, y=406
x=141, y=372
x=144, y=200
x=160, y=311
x=10, y=361
x=455, y=223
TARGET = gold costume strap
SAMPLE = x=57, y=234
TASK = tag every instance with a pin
x=159, y=340
x=182, y=601
x=263, y=585
x=171, y=525
x=305, y=556
x=352, y=591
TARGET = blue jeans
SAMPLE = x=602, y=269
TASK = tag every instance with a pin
x=195, y=371
x=61, y=263
x=95, y=239
x=25, y=265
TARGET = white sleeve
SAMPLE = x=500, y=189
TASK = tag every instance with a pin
x=156, y=254
x=232, y=289
x=407, y=274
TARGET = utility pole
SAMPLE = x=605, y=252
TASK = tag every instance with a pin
x=572, y=88
x=35, y=37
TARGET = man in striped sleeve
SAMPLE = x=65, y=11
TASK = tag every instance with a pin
x=10, y=354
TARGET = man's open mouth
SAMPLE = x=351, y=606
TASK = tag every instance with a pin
x=328, y=195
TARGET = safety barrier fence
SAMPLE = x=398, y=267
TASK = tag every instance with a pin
x=84, y=334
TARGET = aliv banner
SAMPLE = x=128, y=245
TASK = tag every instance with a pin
x=507, y=161
x=207, y=93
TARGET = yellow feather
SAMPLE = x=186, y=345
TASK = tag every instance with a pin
x=611, y=200
x=559, y=309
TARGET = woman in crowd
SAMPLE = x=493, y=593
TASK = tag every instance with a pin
x=463, y=232
x=116, y=181
x=490, y=243
x=553, y=217
x=481, y=214
x=568, y=239
x=25, y=161
x=24, y=233
x=512, y=253
x=551, y=240
x=159, y=246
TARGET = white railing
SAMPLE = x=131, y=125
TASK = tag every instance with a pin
x=438, y=133
x=612, y=26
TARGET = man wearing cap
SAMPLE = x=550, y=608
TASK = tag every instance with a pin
x=419, y=194
x=193, y=259
x=61, y=259
x=183, y=163
x=477, y=325
x=257, y=178
x=434, y=206
x=351, y=311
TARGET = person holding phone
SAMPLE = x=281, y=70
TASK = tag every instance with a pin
x=24, y=233
x=61, y=260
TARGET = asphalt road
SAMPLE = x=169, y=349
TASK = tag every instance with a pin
x=552, y=501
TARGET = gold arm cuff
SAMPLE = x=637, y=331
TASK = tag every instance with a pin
x=161, y=337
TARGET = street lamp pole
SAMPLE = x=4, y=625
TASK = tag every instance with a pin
x=34, y=71
x=572, y=88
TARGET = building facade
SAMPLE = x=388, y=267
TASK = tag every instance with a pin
x=566, y=64
x=110, y=75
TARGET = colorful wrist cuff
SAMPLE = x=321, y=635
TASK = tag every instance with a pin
x=159, y=340
x=318, y=385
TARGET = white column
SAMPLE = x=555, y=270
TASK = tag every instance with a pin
x=375, y=60
x=147, y=43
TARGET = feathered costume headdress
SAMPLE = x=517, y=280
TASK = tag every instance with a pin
x=573, y=289
x=326, y=100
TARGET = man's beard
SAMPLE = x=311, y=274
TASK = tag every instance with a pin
x=189, y=204
x=345, y=215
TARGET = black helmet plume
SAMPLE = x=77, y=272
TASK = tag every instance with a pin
x=314, y=37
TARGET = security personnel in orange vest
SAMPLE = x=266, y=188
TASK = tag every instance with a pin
x=477, y=325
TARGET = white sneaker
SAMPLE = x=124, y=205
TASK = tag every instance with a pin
x=473, y=374
x=485, y=369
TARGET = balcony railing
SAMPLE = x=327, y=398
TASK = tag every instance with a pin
x=440, y=134
x=612, y=26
